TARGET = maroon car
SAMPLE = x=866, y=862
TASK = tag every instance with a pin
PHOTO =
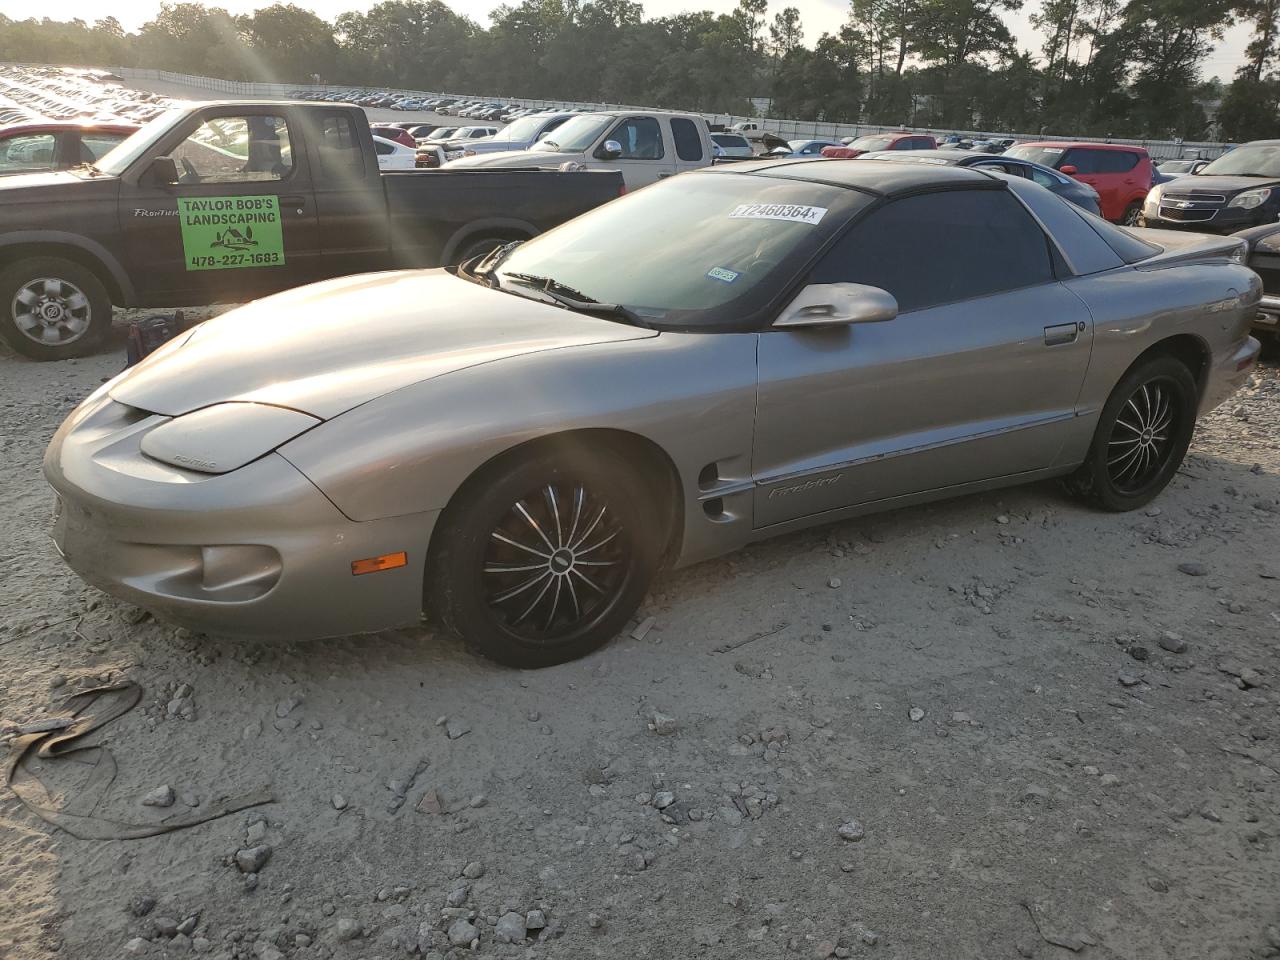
x=57, y=144
x=393, y=133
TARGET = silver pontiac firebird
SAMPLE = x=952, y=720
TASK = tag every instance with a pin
x=517, y=446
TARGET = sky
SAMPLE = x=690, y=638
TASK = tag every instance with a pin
x=817, y=16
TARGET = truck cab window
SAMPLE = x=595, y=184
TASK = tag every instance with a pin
x=340, y=152
x=641, y=138
x=248, y=149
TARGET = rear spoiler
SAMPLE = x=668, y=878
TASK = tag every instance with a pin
x=1177, y=248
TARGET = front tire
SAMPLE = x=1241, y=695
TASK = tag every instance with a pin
x=1142, y=435
x=52, y=309
x=545, y=558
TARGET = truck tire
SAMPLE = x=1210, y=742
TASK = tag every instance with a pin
x=52, y=309
x=477, y=247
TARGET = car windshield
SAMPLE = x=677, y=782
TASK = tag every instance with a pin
x=701, y=252
x=1049, y=156
x=870, y=143
x=122, y=157
x=1259, y=161
x=526, y=128
x=576, y=135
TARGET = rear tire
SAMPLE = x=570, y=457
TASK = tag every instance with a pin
x=544, y=558
x=1142, y=435
x=1132, y=216
x=52, y=309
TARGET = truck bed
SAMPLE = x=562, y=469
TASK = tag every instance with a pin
x=429, y=209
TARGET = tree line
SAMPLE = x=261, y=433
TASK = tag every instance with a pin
x=1123, y=68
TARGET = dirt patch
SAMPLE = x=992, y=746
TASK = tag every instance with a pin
x=1014, y=728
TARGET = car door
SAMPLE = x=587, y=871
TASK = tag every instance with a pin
x=977, y=377
x=644, y=158
x=1089, y=169
x=239, y=222
x=351, y=206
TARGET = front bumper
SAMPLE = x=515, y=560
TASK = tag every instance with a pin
x=256, y=552
x=1202, y=216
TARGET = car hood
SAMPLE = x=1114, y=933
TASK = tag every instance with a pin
x=1200, y=184
x=328, y=347
x=519, y=158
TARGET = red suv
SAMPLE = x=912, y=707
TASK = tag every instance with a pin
x=1121, y=174
x=881, y=141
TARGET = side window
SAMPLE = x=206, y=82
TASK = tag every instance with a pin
x=30, y=151
x=970, y=243
x=640, y=137
x=340, y=153
x=383, y=147
x=551, y=125
x=1116, y=161
x=248, y=149
x=1085, y=161
x=688, y=143
x=95, y=146
x=1044, y=179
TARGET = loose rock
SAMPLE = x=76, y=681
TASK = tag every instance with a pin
x=159, y=797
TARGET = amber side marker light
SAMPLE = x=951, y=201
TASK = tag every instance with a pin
x=388, y=561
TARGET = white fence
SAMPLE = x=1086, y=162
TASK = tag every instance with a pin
x=787, y=129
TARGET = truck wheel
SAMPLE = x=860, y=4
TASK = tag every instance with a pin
x=478, y=247
x=52, y=309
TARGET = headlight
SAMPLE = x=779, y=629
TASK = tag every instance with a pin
x=1153, y=195
x=1250, y=199
x=224, y=437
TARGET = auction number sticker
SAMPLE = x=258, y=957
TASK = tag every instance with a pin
x=221, y=233
x=795, y=212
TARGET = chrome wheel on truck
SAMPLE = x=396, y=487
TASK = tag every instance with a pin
x=54, y=308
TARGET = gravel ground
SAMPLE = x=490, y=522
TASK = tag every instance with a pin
x=956, y=731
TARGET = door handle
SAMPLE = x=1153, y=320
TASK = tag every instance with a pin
x=1060, y=333
x=664, y=174
x=295, y=202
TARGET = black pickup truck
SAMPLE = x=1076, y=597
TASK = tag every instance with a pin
x=225, y=202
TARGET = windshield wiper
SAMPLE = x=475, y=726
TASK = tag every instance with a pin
x=551, y=143
x=575, y=299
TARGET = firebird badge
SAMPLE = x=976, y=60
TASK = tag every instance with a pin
x=804, y=487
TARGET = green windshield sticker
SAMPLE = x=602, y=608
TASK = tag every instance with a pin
x=221, y=233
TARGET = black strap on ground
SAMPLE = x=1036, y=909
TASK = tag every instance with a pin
x=87, y=711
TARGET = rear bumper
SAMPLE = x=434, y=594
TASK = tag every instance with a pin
x=1229, y=374
x=256, y=552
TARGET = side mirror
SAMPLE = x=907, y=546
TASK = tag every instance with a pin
x=1069, y=170
x=162, y=172
x=838, y=304
x=610, y=150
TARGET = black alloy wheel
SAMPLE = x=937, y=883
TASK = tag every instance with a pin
x=1143, y=433
x=544, y=556
x=555, y=561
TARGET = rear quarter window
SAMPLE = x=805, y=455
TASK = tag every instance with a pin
x=688, y=142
